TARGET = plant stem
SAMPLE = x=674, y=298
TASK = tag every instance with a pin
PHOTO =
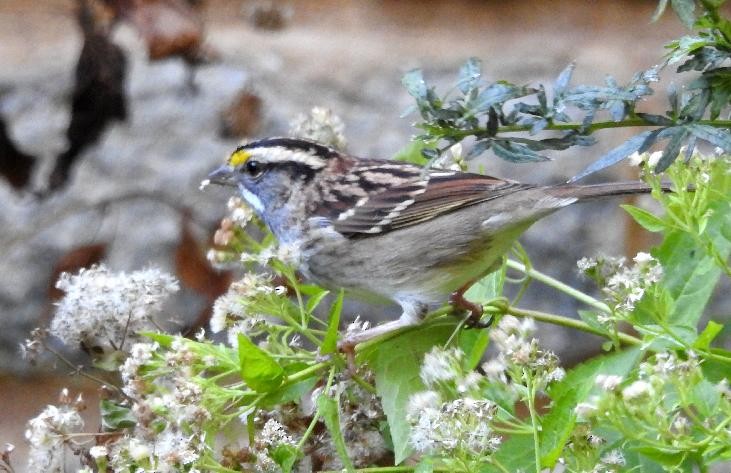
x=558, y=285
x=630, y=122
x=534, y=421
x=390, y=469
x=569, y=322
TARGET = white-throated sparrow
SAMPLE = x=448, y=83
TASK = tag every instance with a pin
x=391, y=229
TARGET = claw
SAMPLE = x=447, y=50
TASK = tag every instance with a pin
x=458, y=301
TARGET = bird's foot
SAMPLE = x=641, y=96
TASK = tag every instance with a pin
x=459, y=303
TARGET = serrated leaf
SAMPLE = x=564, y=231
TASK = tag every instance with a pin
x=469, y=74
x=259, y=371
x=330, y=413
x=645, y=219
x=396, y=364
x=614, y=156
x=570, y=391
x=330, y=342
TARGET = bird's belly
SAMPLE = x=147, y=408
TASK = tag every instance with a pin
x=380, y=268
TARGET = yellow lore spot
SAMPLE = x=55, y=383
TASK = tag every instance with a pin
x=238, y=157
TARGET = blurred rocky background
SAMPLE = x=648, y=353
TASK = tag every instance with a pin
x=113, y=111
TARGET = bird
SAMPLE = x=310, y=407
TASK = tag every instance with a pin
x=392, y=230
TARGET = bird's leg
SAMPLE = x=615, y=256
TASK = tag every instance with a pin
x=458, y=302
x=412, y=315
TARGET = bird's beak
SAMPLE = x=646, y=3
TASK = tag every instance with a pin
x=224, y=176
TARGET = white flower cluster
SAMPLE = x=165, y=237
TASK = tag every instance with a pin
x=452, y=159
x=230, y=311
x=320, y=125
x=518, y=350
x=461, y=425
x=168, y=432
x=49, y=432
x=442, y=425
x=623, y=285
x=102, y=308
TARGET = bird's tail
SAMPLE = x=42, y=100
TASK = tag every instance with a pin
x=598, y=191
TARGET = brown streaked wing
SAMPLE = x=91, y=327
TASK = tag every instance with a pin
x=441, y=194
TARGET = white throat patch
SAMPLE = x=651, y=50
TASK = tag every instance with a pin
x=252, y=200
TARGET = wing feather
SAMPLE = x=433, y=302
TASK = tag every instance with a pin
x=414, y=202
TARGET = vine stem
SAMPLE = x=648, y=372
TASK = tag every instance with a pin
x=556, y=284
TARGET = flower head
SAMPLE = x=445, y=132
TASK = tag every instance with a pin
x=102, y=308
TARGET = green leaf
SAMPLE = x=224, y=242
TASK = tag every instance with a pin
x=285, y=456
x=515, y=152
x=259, y=370
x=573, y=389
x=487, y=288
x=563, y=79
x=469, y=74
x=667, y=458
x=412, y=152
x=715, y=136
x=515, y=454
x=330, y=413
x=473, y=343
x=703, y=342
x=291, y=392
x=426, y=465
x=163, y=339
x=645, y=219
x=492, y=95
x=592, y=319
x=115, y=417
x=689, y=275
x=315, y=299
x=671, y=151
x=330, y=342
x=396, y=363
x=706, y=397
x=616, y=155
x=415, y=84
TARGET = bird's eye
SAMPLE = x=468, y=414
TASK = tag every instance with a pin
x=253, y=168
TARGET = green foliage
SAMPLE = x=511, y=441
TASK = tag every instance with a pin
x=491, y=112
x=259, y=370
x=396, y=364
